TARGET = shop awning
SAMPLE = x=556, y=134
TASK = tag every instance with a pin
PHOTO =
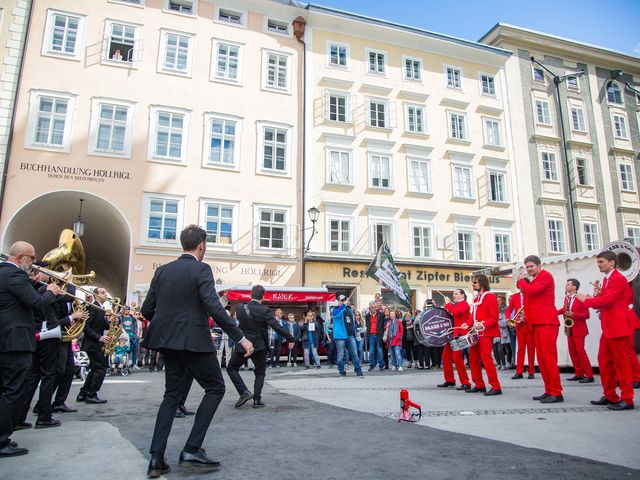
x=281, y=295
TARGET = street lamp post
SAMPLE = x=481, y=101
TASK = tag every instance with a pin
x=314, y=213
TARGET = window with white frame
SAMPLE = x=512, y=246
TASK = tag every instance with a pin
x=339, y=235
x=275, y=148
x=454, y=77
x=277, y=70
x=620, y=126
x=538, y=75
x=422, y=241
x=176, y=54
x=163, y=217
x=121, y=43
x=272, y=228
x=381, y=234
x=188, y=7
x=457, y=126
x=549, y=166
x=227, y=61
x=64, y=34
x=237, y=18
x=572, y=83
x=614, y=93
x=502, y=247
x=111, y=124
x=492, y=133
x=591, y=237
x=412, y=69
x=380, y=170
x=555, y=230
x=218, y=223
x=169, y=134
x=338, y=107
x=543, y=115
x=577, y=119
x=462, y=182
x=338, y=55
x=133, y=2
x=50, y=120
x=223, y=145
x=465, y=245
x=279, y=27
x=415, y=119
x=339, y=167
x=377, y=113
x=627, y=182
x=377, y=61
x=419, y=175
x=633, y=236
x=488, y=84
x=498, y=187
x=583, y=171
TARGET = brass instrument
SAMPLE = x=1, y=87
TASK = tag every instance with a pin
x=517, y=319
x=74, y=331
x=568, y=324
x=113, y=334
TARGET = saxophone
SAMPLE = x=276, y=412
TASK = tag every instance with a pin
x=115, y=330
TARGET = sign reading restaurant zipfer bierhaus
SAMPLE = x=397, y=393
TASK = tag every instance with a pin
x=85, y=174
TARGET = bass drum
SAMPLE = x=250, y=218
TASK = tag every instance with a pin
x=434, y=327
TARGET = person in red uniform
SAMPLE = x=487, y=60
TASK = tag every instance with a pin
x=461, y=322
x=484, y=314
x=540, y=312
x=614, y=358
x=574, y=309
x=524, y=335
x=635, y=364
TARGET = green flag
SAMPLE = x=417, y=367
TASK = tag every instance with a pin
x=385, y=271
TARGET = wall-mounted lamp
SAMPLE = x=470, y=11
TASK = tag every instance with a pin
x=314, y=213
x=78, y=225
x=616, y=74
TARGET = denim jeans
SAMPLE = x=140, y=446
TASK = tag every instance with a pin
x=375, y=352
x=314, y=352
x=347, y=344
x=395, y=354
x=359, y=348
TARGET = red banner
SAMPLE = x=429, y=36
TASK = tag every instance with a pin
x=275, y=296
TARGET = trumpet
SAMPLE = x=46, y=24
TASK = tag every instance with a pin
x=517, y=318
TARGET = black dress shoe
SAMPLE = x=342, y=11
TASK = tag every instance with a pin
x=541, y=397
x=62, y=409
x=81, y=397
x=179, y=414
x=466, y=386
x=13, y=444
x=21, y=426
x=9, y=451
x=602, y=401
x=447, y=384
x=184, y=410
x=586, y=380
x=516, y=376
x=475, y=390
x=94, y=399
x=621, y=406
x=531, y=376
x=492, y=392
x=258, y=404
x=244, y=398
x=553, y=399
x=52, y=422
x=575, y=378
x=157, y=466
x=197, y=460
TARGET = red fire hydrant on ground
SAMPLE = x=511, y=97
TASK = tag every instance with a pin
x=405, y=405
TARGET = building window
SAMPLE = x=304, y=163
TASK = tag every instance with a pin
x=340, y=235
x=415, y=119
x=338, y=55
x=169, y=135
x=381, y=235
x=465, y=245
x=182, y=6
x=454, y=78
x=412, y=69
x=121, y=43
x=338, y=107
x=488, y=85
x=502, y=243
x=176, y=53
x=421, y=241
x=110, y=128
x=538, y=75
x=542, y=112
x=591, y=237
x=227, y=62
x=614, y=93
x=620, y=127
x=582, y=170
x=377, y=114
x=163, y=219
x=556, y=236
x=277, y=71
x=633, y=236
x=419, y=175
x=218, y=222
x=236, y=18
x=549, y=167
x=51, y=121
x=377, y=62
x=222, y=142
x=274, y=149
x=340, y=167
x=272, y=228
x=572, y=83
x=627, y=183
x=498, y=187
x=457, y=126
x=279, y=27
x=462, y=182
x=380, y=168
x=577, y=119
x=492, y=132
x=64, y=34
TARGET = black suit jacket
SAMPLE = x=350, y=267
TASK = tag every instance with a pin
x=256, y=327
x=379, y=318
x=96, y=324
x=181, y=297
x=18, y=299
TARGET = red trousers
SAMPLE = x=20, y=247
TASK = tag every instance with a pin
x=614, y=360
x=634, y=360
x=481, y=352
x=448, y=359
x=579, y=357
x=525, y=338
x=546, y=338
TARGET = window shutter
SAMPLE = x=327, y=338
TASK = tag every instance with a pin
x=351, y=107
x=393, y=115
x=367, y=112
x=325, y=104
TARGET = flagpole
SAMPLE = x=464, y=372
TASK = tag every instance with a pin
x=363, y=276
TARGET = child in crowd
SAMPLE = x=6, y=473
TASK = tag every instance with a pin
x=121, y=353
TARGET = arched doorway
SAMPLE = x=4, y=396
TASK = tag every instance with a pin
x=107, y=237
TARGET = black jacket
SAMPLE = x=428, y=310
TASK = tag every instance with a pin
x=96, y=324
x=256, y=327
x=180, y=300
x=380, y=323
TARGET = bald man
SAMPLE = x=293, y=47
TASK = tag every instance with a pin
x=18, y=300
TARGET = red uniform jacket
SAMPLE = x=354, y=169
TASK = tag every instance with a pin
x=487, y=312
x=515, y=304
x=461, y=314
x=539, y=299
x=615, y=297
x=580, y=316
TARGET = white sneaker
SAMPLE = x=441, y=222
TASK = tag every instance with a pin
x=289, y=364
x=400, y=369
x=295, y=364
x=394, y=368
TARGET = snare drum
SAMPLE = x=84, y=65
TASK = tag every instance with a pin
x=465, y=341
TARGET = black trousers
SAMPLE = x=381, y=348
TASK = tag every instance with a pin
x=98, y=364
x=419, y=353
x=14, y=372
x=64, y=373
x=187, y=381
x=277, y=348
x=43, y=372
x=206, y=371
x=407, y=345
x=259, y=361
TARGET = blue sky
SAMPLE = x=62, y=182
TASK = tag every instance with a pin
x=614, y=24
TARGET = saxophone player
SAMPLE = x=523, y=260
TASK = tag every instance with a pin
x=573, y=310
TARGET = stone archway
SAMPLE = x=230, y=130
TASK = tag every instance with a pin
x=107, y=238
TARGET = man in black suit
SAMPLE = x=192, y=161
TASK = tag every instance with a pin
x=18, y=299
x=181, y=297
x=92, y=343
x=255, y=320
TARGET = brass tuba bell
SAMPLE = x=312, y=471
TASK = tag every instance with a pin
x=69, y=257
